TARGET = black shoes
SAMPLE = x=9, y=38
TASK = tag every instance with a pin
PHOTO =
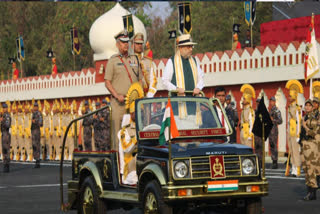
x=6, y=168
x=311, y=195
x=37, y=164
x=274, y=164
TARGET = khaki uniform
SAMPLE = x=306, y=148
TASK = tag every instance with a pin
x=246, y=124
x=294, y=125
x=127, y=146
x=27, y=136
x=56, y=137
x=149, y=79
x=14, y=141
x=20, y=135
x=46, y=141
x=121, y=72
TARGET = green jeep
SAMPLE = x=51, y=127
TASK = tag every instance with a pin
x=197, y=171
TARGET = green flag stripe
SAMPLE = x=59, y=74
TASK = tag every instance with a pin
x=165, y=124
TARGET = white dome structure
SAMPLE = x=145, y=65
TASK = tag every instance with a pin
x=104, y=29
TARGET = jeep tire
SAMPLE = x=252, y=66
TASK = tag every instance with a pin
x=152, y=201
x=89, y=201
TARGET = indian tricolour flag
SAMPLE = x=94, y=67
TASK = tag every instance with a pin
x=228, y=185
x=168, y=123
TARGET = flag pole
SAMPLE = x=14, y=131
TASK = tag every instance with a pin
x=170, y=153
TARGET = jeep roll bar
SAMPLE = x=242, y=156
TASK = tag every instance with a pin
x=65, y=207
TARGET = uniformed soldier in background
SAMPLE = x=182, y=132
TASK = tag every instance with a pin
x=5, y=120
x=20, y=131
x=105, y=125
x=149, y=75
x=27, y=133
x=309, y=152
x=276, y=118
x=37, y=122
x=122, y=70
x=87, y=128
x=247, y=116
x=47, y=130
x=97, y=127
x=14, y=140
x=56, y=137
x=294, y=126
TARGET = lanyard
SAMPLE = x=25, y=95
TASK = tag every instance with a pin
x=126, y=69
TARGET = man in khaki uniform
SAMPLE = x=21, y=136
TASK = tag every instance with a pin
x=20, y=132
x=122, y=70
x=14, y=141
x=45, y=132
x=56, y=136
x=294, y=125
x=27, y=132
x=247, y=116
x=149, y=75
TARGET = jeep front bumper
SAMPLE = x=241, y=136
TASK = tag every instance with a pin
x=200, y=192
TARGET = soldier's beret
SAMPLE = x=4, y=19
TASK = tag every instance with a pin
x=4, y=105
x=35, y=104
x=273, y=98
x=232, y=103
x=86, y=103
x=308, y=101
x=104, y=101
x=228, y=97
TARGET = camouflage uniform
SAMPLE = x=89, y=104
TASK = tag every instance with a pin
x=37, y=122
x=273, y=137
x=87, y=131
x=310, y=154
x=105, y=125
x=6, y=137
x=98, y=133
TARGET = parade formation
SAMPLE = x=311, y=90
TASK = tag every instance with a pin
x=166, y=148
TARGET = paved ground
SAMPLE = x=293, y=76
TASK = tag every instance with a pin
x=29, y=190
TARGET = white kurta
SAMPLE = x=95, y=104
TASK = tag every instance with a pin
x=168, y=73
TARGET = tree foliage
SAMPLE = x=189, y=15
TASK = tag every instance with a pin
x=46, y=25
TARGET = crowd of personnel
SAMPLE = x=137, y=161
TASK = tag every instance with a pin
x=182, y=73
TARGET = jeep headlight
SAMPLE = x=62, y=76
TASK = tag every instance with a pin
x=181, y=169
x=248, y=166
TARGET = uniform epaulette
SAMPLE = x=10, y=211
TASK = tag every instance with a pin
x=115, y=55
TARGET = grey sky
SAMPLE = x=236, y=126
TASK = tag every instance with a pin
x=161, y=9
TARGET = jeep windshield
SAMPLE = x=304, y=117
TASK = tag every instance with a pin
x=195, y=117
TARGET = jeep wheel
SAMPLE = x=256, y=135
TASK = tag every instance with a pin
x=254, y=206
x=89, y=201
x=153, y=202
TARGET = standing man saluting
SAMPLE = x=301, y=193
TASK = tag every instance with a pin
x=37, y=122
x=182, y=71
x=122, y=70
x=5, y=120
